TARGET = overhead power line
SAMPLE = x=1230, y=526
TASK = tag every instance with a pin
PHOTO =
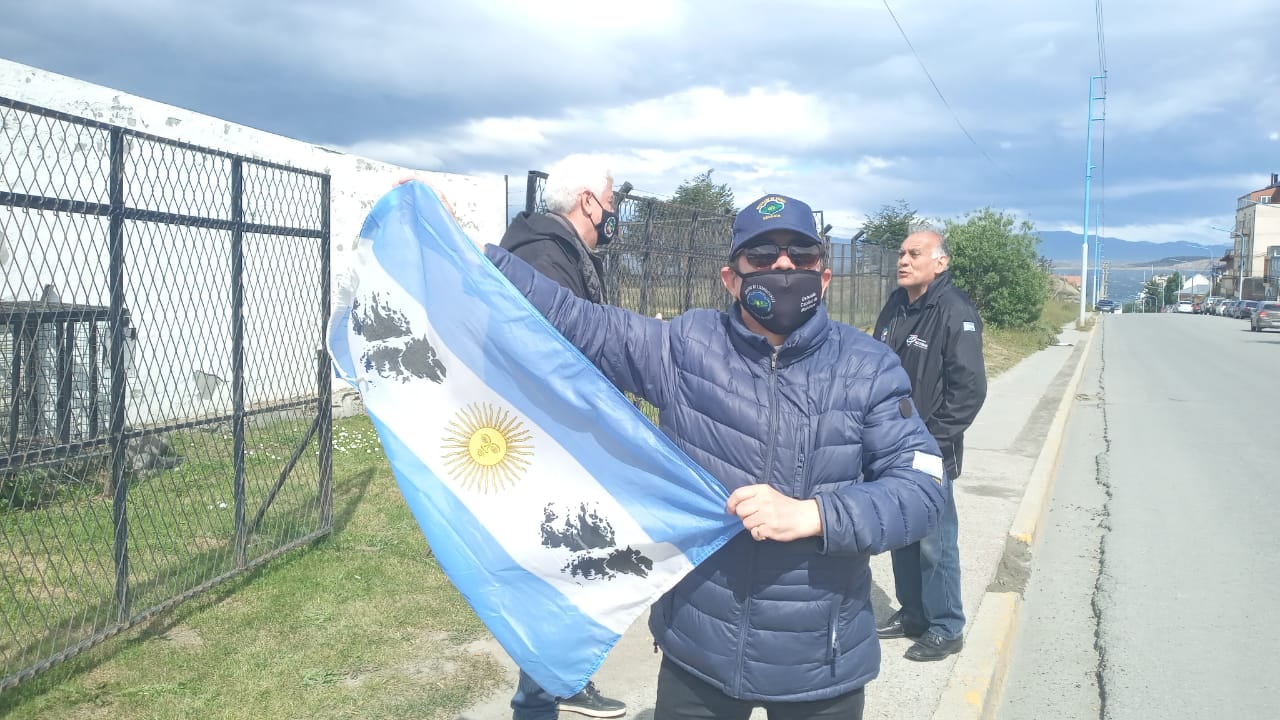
x=1102, y=37
x=938, y=90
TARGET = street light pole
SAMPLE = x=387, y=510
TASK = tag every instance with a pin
x=1099, y=277
x=1088, y=181
x=1240, y=270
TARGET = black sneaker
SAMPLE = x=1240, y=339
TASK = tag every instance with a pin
x=591, y=703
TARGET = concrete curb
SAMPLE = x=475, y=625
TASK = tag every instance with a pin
x=976, y=685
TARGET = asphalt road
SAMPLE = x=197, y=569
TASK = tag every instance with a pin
x=1156, y=578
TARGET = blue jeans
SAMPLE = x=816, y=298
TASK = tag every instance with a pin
x=926, y=576
x=531, y=702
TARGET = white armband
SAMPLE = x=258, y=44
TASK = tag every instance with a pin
x=926, y=463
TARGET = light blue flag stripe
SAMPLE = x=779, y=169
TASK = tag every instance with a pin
x=617, y=445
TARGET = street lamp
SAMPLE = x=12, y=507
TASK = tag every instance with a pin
x=1088, y=182
x=1157, y=301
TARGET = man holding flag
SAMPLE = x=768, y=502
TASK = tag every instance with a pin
x=558, y=511
x=809, y=424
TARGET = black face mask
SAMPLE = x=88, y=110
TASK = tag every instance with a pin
x=782, y=300
x=607, y=228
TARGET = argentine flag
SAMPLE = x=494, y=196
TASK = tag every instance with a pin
x=556, y=508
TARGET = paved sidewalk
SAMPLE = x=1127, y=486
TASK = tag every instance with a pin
x=1000, y=450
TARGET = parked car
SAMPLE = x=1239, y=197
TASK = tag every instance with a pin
x=1106, y=306
x=1266, y=317
x=1185, y=306
x=1245, y=310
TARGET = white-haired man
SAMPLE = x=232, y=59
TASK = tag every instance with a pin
x=561, y=244
x=580, y=217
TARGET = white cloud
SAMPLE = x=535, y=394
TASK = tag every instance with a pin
x=583, y=18
x=492, y=137
x=774, y=117
x=1234, y=185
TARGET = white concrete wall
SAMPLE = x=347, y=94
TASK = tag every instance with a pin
x=178, y=279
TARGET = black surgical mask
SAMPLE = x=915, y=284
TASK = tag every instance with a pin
x=782, y=300
x=607, y=227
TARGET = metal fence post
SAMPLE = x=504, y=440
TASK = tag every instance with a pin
x=855, y=279
x=644, y=258
x=839, y=267
x=65, y=340
x=115, y=285
x=237, y=358
x=886, y=274
x=325, y=370
x=689, y=262
x=851, y=287
x=532, y=182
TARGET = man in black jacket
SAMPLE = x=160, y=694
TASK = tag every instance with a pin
x=934, y=328
x=561, y=244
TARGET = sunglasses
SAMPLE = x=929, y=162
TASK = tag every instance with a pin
x=804, y=255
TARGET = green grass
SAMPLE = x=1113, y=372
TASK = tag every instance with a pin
x=181, y=530
x=1003, y=348
x=362, y=624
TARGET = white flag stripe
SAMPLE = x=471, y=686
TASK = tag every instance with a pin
x=514, y=515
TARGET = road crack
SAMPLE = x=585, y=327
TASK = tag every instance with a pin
x=1103, y=470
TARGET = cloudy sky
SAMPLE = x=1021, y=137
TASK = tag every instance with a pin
x=821, y=99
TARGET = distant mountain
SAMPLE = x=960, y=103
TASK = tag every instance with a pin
x=1171, y=262
x=1063, y=248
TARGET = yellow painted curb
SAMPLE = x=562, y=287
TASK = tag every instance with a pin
x=979, y=672
x=1039, y=486
x=977, y=681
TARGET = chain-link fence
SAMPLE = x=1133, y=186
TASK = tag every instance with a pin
x=667, y=259
x=164, y=394
x=862, y=277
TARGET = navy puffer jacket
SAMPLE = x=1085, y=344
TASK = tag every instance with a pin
x=826, y=416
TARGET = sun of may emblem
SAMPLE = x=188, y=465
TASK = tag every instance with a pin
x=486, y=449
